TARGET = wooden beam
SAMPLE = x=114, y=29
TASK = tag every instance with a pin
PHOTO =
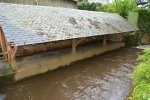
x=104, y=40
x=3, y=43
x=78, y=42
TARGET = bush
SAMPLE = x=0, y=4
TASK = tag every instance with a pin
x=104, y=7
x=141, y=78
x=85, y=5
x=124, y=6
x=121, y=7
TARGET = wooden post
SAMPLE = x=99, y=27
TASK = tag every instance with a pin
x=75, y=43
x=12, y=55
x=3, y=43
x=74, y=46
x=104, y=40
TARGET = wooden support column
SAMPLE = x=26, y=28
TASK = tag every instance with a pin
x=12, y=56
x=105, y=40
x=9, y=51
x=74, y=46
x=75, y=43
x=3, y=44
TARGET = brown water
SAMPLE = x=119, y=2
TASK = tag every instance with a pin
x=100, y=78
x=54, y=3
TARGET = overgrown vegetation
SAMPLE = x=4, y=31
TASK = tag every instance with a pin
x=141, y=78
x=122, y=7
x=118, y=6
x=85, y=5
x=104, y=7
x=144, y=20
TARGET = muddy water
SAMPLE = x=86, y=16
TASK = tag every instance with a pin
x=54, y=3
x=100, y=78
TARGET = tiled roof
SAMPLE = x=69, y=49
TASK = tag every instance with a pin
x=27, y=24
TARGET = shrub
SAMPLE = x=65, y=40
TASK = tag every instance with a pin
x=141, y=78
x=118, y=6
x=104, y=7
x=85, y=5
x=124, y=6
x=144, y=20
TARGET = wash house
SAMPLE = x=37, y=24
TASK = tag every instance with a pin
x=26, y=30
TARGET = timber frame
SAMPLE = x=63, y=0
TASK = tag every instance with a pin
x=8, y=50
x=76, y=42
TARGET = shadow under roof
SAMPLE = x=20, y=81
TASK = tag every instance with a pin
x=28, y=24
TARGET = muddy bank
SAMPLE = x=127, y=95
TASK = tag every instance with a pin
x=100, y=78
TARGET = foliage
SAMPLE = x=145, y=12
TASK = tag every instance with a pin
x=104, y=7
x=124, y=6
x=144, y=20
x=121, y=7
x=141, y=78
x=85, y=5
x=149, y=3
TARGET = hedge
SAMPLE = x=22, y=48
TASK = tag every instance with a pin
x=141, y=78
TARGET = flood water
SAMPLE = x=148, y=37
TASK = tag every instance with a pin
x=54, y=3
x=103, y=77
